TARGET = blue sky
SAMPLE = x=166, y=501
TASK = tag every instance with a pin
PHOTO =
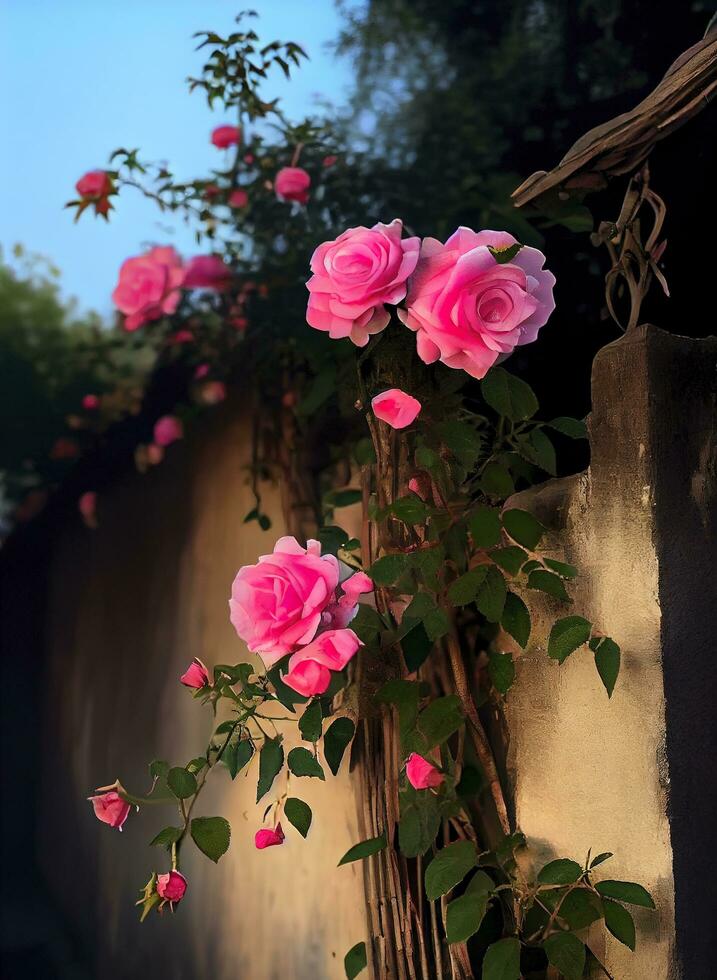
x=82, y=77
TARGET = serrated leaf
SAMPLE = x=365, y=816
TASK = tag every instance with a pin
x=419, y=823
x=606, y=855
x=355, y=961
x=271, y=759
x=619, y=922
x=440, y=719
x=237, y=755
x=449, y=867
x=302, y=763
x=490, y=598
x=364, y=849
x=484, y=524
x=508, y=395
x=464, y=916
x=607, y=661
x=548, y=582
x=388, y=569
x=310, y=722
x=567, y=635
x=561, y=568
x=502, y=960
x=367, y=624
x=523, y=527
x=462, y=439
x=428, y=562
x=336, y=740
x=516, y=619
x=580, y=908
x=182, y=783
x=298, y=814
x=539, y=450
x=626, y=891
x=501, y=671
x=166, y=837
x=415, y=645
x=573, y=428
x=496, y=481
x=566, y=953
x=404, y=695
x=510, y=559
x=563, y=871
x=212, y=836
x=411, y=510
x=465, y=588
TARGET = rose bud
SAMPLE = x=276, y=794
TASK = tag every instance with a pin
x=94, y=184
x=167, y=430
x=109, y=806
x=396, y=408
x=238, y=198
x=268, y=838
x=196, y=675
x=90, y=403
x=172, y=886
x=226, y=136
x=292, y=184
x=421, y=774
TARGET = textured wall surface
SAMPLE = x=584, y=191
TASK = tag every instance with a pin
x=619, y=775
x=130, y=605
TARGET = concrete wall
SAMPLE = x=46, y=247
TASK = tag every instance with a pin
x=130, y=605
x=634, y=775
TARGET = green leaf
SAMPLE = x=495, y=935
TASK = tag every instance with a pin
x=580, y=908
x=404, y=695
x=343, y=498
x=462, y=439
x=619, y=923
x=236, y=755
x=271, y=759
x=465, y=588
x=336, y=740
x=626, y=891
x=484, y=524
x=320, y=390
x=367, y=624
x=429, y=562
x=523, y=527
x=480, y=884
x=491, y=594
x=364, y=453
x=355, y=960
x=566, y=953
x=419, y=824
x=573, y=428
x=302, y=763
x=182, y=783
x=501, y=671
x=310, y=722
x=298, y=814
x=426, y=458
x=464, y=916
x=332, y=538
x=440, y=719
x=560, y=872
x=502, y=959
x=507, y=254
x=211, y=835
x=411, y=510
x=600, y=859
x=364, y=849
x=510, y=558
x=549, y=583
x=167, y=837
x=415, y=645
x=607, y=661
x=516, y=619
x=496, y=481
x=508, y=395
x=389, y=568
x=539, y=450
x=449, y=867
x=561, y=568
x=567, y=635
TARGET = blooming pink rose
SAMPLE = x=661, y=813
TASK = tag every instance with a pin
x=238, y=198
x=268, y=838
x=149, y=286
x=309, y=667
x=354, y=275
x=196, y=675
x=225, y=136
x=87, y=506
x=396, y=408
x=276, y=605
x=213, y=392
x=467, y=308
x=421, y=774
x=207, y=272
x=340, y=613
x=167, y=430
x=94, y=184
x=90, y=403
x=110, y=808
x=172, y=886
x=292, y=184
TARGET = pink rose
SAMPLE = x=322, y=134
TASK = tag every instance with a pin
x=354, y=275
x=196, y=675
x=340, y=613
x=467, y=308
x=396, y=408
x=421, y=774
x=167, y=430
x=181, y=337
x=276, y=605
x=225, y=136
x=90, y=403
x=87, y=506
x=172, y=886
x=309, y=667
x=329, y=161
x=249, y=158
x=94, y=184
x=238, y=198
x=207, y=272
x=201, y=371
x=213, y=392
x=149, y=286
x=268, y=838
x=292, y=184
x=110, y=808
